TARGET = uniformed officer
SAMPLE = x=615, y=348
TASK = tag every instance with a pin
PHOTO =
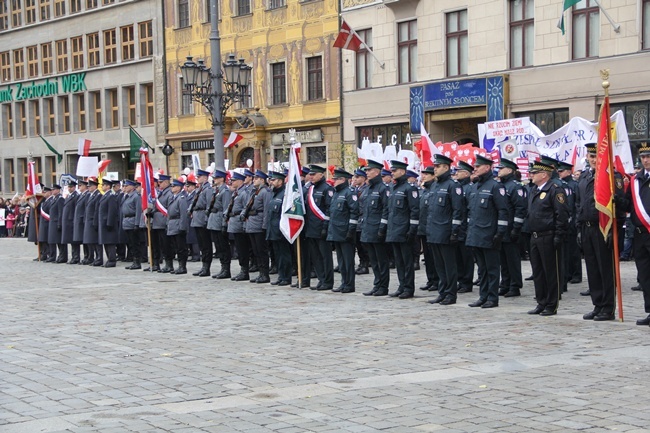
x=374, y=223
x=91, y=236
x=464, y=255
x=342, y=230
x=253, y=217
x=273, y=215
x=79, y=214
x=44, y=225
x=55, y=227
x=317, y=202
x=32, y=234
x=177, y=224
x=107, y=223
x=548, y=222
x=359, y=185
x=433, y=281
x=416, y=248
x=573, y=269
x=598, y=251
x=67, y=221
x=638, y=204
x=236, y=226
x=445, y=216
x=160, y=245
x=511, y=279
x=217, y=222
x=121, y=247
x=403, y=219
x=199, y=220
x=131, y=216
x=487, y=222
x=190, y=196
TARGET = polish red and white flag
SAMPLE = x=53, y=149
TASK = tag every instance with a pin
x=84, y=147
x=232, y=139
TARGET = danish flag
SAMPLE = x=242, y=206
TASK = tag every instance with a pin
x=348, y=39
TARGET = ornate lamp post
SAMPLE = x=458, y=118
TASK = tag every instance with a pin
x=215, y=88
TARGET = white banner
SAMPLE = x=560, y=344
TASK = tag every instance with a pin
x=87, y=166
x=501, y=129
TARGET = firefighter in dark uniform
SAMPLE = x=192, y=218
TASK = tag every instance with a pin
x=342, y=230
x=573, y=271
x=445, y=216
x=487, y=222
x=511, y=279
x=217, y=222
x=199, y=220
x=317, y=203
x=403, y=220
x=78, y=230
x=177, y=224
x=416, y=247
x=598, y=251
x=67, y=221
x=637, y=202
x=273, y=215
x=359, y=182
x=374, y=220
x=44, y=224
x=55, y=226
x=464, y=256
x=548, y=223
x=433, y=281
x=107, y=225
x=91, y=236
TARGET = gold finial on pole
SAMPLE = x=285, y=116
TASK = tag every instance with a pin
x=604, y=75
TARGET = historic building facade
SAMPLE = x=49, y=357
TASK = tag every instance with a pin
x=294, y=80
x=73, y=69
x=452, y=65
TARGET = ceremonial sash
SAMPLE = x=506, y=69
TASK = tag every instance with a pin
x=46, y=216
x=162, y=209
x=641, y=212
x=314, y=208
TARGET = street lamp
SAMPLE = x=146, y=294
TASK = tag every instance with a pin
x=216, y=88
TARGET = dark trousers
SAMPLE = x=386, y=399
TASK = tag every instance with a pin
x=433, y=280
x=320, y=253
x=75, y=249
x=465, y=265
x=63, y=251
x=205, y=245
x=163, y=243
x=306, y=262
x=89, y=253
x=361, y=251
x=179, y=244
x=574, y=258
x=546, y=271
x=378, y=256
x=243, y=245
x=511, y=267
x=111, y=253
x=403, y=255
x=282, y=250
x=133, y=240
x=642, y=260
x=121, y=251
x=260, y=251
x=99, y=253
x=220, y=240
x=156, y=246
x=599, y=261
x=444, y=257
x=489, y=263
x=345, y=259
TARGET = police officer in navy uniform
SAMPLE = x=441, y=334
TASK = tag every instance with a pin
x=177, y=225
x=78, y=230
x=511, y=279
x=548, y=223
x=273, y=215
x=344, y=215
x=487, y=222
x=445, y=216
x=317, y=203
x=199, y=220
x=573, y=270
x=464, y=255
x=56, y=225
x=598, y=251
x=131, y=216
x=359, y=185
x=403, y=220
x=44, y=225
x=217, y=222
x=67, y=221
x=107, y=225
x=433, y=281
x=91, y=227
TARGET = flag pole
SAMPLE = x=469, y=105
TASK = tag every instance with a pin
x=298, y=257
x=604, y=74
x=372, y=53
x=147, y=219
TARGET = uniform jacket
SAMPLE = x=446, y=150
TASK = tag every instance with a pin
x=360, y=198
x=108, y=216
x=199, y=217
x=189, y=199
x=131, y=211
x=254, y=219
x=121, y=234
x=79, y=214
x=425, y=192
x=462, y=231
x=445, y=208
x=44, y=224
x=67, y=218
x=548, y=210
x=159, y=220
x=517, y=205
x=487, y=215
x=344, y=214
x=586, y=203
x=90, y=218
x=235, y=225
x=403, y=211
x=571, y=189
x=31, y=223
x=374, y=211
x=273, y=214
x=642, y=184
x=220, y=201
x=178, y=219
x=56, y=220
x=322, y=194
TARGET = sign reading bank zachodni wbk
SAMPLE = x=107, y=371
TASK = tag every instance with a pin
x=71, y=83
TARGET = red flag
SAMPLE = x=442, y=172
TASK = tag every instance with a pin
x=232, y=139
x=83, y=148
x=348, y=39
x=33, y=185
x=146, y=178
x=604, y=177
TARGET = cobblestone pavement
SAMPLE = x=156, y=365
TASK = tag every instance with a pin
x=88, y=349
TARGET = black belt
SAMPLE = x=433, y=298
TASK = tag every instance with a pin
x=232, y=214
x=174, y=218
x=540, y=234
x=641, y=230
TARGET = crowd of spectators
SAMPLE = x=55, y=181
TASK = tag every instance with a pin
x=13, y=217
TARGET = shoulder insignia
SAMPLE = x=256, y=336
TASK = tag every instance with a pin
x=502, y=191
x=415, y=194
x=354, y=197
x=520, y=192
x=560, y=198
x=387, y=193
x=619, y=183
x=331, y=193
x=459, y=191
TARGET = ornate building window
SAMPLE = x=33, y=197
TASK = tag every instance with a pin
x=457, y=46
x=407, y=48
x=586, y=29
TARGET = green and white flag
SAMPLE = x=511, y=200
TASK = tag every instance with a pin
x=568, y=4
x=292, y=220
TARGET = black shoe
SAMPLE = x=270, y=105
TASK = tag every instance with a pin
x=425, y=287
x=312, y=274
x=336, y=269
x=391, y=265
x=464, y=290
x=337, y=290
x=604, y=315
x=109, y=264
x=254, y=268
x=592, y=314
x=643, y=322
x=636, y=288
x=362, y=271
x=73, y=262
x=585, y=293
x=536, y=310
x=381, y=292
x=285, y=283
x=98, y=263
x=166, y=270
x=448, y=301
x=476, y=282
x=253, y=280
x=273, y=283
x=179, y=271
x=263, y=279
x=503, y=291
x=273, y=270
x=437, y=300
x=195, y=259
x=548, y=312
x=490, y=304
x=222, y=275
x=134, y=266
x=529, y=278
x=575, y=281
x=477, y=303
x=61, y=260
x=416, y=267
x=294, y=285
x=347, y=290
x=324, y=288
x=204, y=272
x=512, y=294
x=405, y=295
x=241, y=277
x=370, y=292
x=395, y=294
